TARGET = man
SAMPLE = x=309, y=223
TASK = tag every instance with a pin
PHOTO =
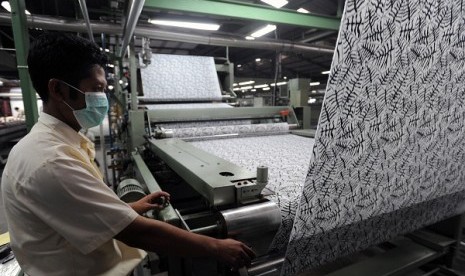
x=62, y=218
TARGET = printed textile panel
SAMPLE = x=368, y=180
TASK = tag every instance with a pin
x=180, y=78
x=286, y=156
x=391, y=129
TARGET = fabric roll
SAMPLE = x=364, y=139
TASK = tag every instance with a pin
x=204, y=124
x=187, y=105
x=228, y=130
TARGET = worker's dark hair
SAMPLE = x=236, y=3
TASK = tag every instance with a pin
x=62, y=56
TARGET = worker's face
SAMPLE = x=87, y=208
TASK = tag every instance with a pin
x=95, y=83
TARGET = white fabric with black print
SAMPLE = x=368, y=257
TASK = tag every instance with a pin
x=286, y=156
x=391, y=139
x=180, y=78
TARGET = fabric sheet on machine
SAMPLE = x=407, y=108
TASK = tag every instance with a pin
x=287, y=157
x=389, y=152
x=183, y=82
x=180, y=78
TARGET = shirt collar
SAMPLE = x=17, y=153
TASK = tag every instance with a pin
x=66, y=132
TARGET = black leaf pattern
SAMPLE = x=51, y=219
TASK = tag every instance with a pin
x=390, y=147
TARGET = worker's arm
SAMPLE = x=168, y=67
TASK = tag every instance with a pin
x=157, y=236
x=152, y=201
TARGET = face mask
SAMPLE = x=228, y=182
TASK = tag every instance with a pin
x=95, y=110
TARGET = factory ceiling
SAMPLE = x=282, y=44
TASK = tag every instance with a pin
x=236, y=23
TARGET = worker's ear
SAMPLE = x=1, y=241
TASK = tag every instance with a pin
x=55, y=90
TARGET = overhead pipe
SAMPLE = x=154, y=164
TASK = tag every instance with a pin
x=85, y=14
x=50, y=23
x=317, y=37
x=130, y=24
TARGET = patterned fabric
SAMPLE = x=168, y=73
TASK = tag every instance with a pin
x=177, y=125
x=187, y=105
x=287, y=157
x=239, y=130
x=180, y=78
x=204, y=124
x=391, y=133
x=357, y=236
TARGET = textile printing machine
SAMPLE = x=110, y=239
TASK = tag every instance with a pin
x=209, y=195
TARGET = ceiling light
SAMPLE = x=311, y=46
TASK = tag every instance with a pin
x=265, y=88
x=258, y=59
x=236, y=89
x=312, y=100
x=234, y=84
x=285, y=77
x=279, y=83
x=315, y=83
x=249, y=37
x=246, y=82
x=253, y=90
x=247, y=87
x=275, y=3
x=325, y=72
x=260, y=86
x=313, y=91
x=183, y=24
x=6, y=6
x=110, y=87
x=302, y=10
x=263, y=31
x=1, y=83
x=239, y=66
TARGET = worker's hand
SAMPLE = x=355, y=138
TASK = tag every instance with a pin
x=157, y=201
x=234, y=253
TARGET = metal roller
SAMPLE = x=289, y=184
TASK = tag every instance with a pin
x=264, y=266
x=130, y=190
x=216, y=132
x=255, y=224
